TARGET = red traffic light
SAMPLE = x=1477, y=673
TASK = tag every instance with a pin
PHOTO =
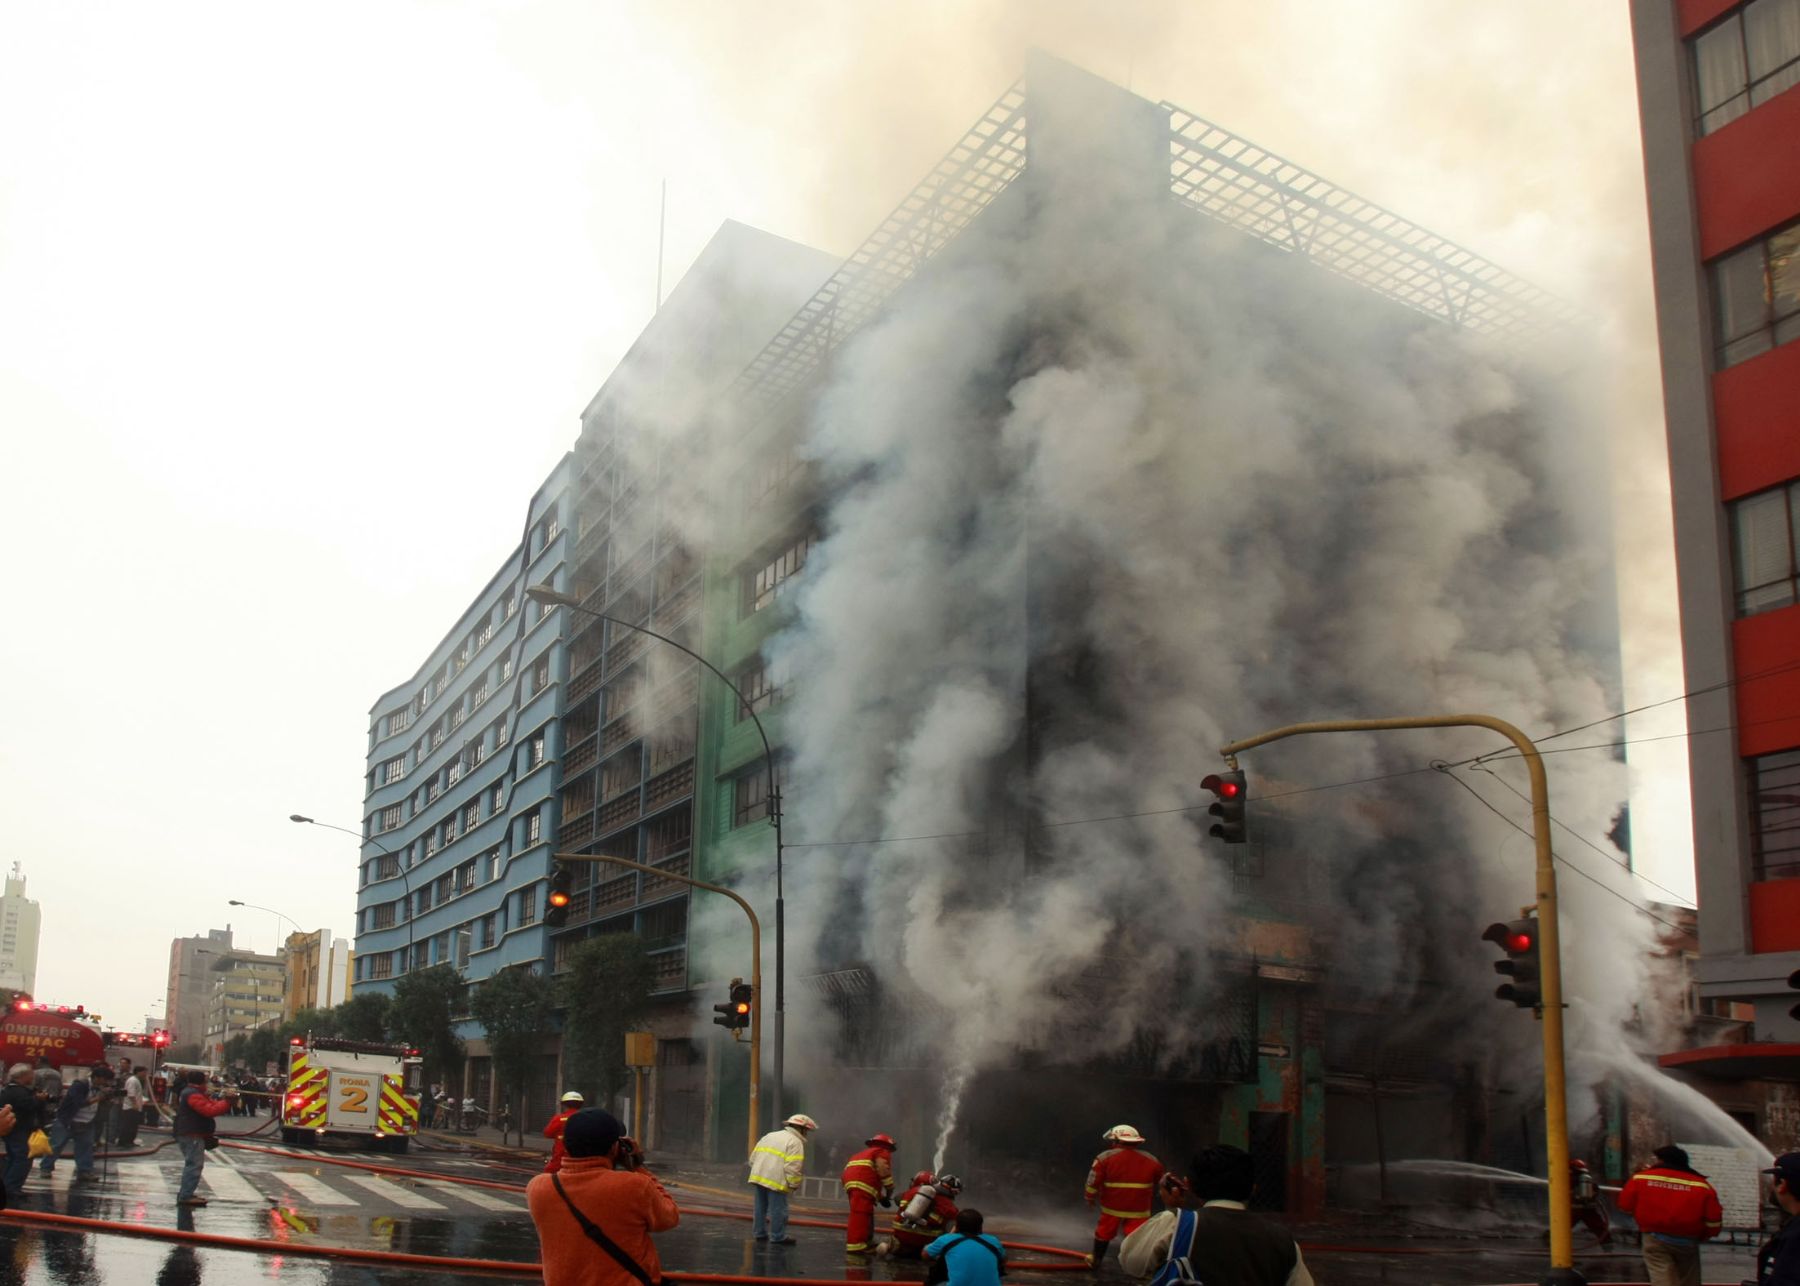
x=1517, y=942
x=559, y=898
x=1229, y=789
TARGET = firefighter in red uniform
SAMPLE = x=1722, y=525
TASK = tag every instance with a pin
x=1676, y=1209
x=572, y=1102
x=1122, y=1180
x=868, y=1177
x=913, y=1232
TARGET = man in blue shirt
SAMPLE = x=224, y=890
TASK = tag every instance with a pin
x=970, y=1257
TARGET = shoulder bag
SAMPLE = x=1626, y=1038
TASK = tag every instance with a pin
x=601, y=1240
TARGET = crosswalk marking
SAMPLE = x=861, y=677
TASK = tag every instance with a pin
x=228, y=1185
x=313, y=1189
x=485, y=1198
x=399, y=1194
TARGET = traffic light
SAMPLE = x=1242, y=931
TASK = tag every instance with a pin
x=159, y=1038
x=734, y=1014
x=1519, y=939
x=556, y=908
x=1229, y=787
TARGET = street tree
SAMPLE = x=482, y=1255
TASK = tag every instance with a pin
x=514, y=1007
x=424, y=1012
x=605, y=993
x=364, y=1016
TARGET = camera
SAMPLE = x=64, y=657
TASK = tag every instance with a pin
x=630, y=1157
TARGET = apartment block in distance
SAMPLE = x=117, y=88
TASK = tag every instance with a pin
x=1719, y=95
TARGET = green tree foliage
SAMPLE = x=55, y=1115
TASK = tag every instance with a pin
x=514, y=1007
x=315, y=1022
x=255, y=1050
x=605, y=993
x=363, y=1017
x=423, y=1014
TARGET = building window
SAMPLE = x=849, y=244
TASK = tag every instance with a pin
x=381, y=966
x=750, y=794
x=1774, y=782
x=496, y=799
x=393, y=770
x=540, y=676
x=384, y=915
x=535, y=755
x=398, y=720
x=1756, y=296
x=506, y=668
x=487, y=931
x=528, y=906
x=761, y=587
x=761, y=686
x=387, y=866
x=390, y=817
x=552, y=528
x=471, y=815
x=1762, y=549
x=493, y=865
x=465, y=876
x=1746, y=60
x=534, y=828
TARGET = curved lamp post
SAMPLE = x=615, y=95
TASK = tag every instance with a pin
x=400, y=866
x=550, y=597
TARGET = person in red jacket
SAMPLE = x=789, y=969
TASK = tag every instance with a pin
x=1122, y=1181
x=912, y=1236
x=868, y=1177
x=572, y=1102
x=1676, y=1209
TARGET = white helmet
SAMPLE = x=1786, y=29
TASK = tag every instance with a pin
x=573, y=1096
x=802, y=1121
x=1122, y=1134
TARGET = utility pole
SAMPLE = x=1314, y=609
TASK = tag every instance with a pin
x=1556, y=1106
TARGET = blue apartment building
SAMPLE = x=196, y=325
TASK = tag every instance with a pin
x=463, y=769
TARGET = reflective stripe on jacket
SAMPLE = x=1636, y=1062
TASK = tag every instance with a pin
x=778, y=1160
x=1123, y=1180
x=1675, y=1203
x=869, y=1171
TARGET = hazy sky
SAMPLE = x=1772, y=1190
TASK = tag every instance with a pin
x=298, y=305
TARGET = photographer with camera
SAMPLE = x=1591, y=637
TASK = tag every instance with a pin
x=196, y=1133
x=601, y=1197
x=75, y=1122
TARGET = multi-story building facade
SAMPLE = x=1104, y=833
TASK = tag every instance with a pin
x=20, y=921
x=191, y=984
x=1720, y=113
x=463, y=763
x=318, y=971
x=248, y=990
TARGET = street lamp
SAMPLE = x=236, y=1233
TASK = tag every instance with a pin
x=271, y=910
x=400, y=866
x=551, y=597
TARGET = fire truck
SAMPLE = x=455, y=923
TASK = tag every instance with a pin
x=351, y=1088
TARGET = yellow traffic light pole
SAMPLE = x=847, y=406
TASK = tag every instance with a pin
x=1556, y=1107
x=755, y=966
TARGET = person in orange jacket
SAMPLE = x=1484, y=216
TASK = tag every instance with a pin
x=1122, y=1182
x=601, y=1185
x=868, y=1177
x=1676, y=1209
x=912, y=1235
x=572, y=1102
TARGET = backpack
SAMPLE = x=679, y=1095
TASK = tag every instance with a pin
x=1179, y=1268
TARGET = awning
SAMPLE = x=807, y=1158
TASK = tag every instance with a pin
x=1762, y=1060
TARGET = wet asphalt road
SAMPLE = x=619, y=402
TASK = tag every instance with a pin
x=301, y=1201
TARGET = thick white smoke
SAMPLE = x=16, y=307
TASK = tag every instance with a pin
x=1109, y=485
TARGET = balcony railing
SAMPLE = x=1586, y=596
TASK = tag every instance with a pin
x=668, y=970
x=574, y=834
x=619, y=812
x=671, y=785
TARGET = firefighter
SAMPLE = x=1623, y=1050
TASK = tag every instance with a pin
x=868, y=1177
x=1585, y=1206
x=572, y=1102
x=1121, y=1181
x=918, y=1223
x=1676, y=1209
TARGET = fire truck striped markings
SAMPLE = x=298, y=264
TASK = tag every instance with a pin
x=313, y=1189
x=475, y=1196
x=228, y=1185
x=394, y=1192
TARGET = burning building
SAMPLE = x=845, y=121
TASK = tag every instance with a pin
x=1119, y=437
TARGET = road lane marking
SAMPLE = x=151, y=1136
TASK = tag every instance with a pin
x=313, y=1189
x=142, y=1178
x=394, y=1192
x=487, y=1200
x=228, y=1185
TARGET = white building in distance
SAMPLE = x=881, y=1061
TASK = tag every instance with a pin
x=20, y=921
